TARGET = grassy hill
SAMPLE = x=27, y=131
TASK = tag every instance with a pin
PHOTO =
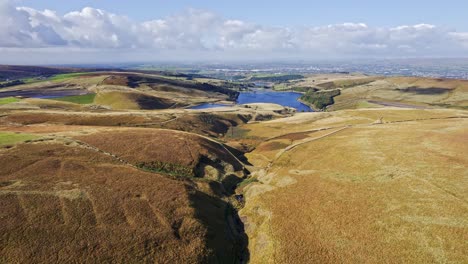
x=359, y=186
x=392, y=91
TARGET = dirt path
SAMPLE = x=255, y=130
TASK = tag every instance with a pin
x=338, y=129
x=308, y=140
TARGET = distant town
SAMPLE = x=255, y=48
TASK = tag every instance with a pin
x=434, y=68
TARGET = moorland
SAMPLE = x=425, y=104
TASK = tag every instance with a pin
x=109, y=165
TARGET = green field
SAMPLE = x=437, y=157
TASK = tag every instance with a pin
x=65, y=76
x=8, y=100
x=9, y=138
x=78, y=99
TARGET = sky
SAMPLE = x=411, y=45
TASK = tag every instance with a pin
x=105, y=31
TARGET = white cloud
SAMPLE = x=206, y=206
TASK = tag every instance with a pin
x=201, y=32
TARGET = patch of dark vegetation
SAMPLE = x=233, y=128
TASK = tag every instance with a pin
x=327, y=85
x=303, y=89
x=451, y=106
x=239, y=86
x=279, y=78
x=237, y=132
x=321, y=99
x=266, y=117
x=120, y=80
x=208, y=118
x=147, y=102
x=424, y=91
x=11, y=83
x=46, y=91
x=283, y=111
x=240, y=154
x=295, y=136
x=6, y=183
x=274, y=145
x=14, y=72
x=171, y=169
x=226, y=235
x=218, y=170
x=244, y=118
x=238, y=77
x=346, y=83
x=134, y=81
x=217, y=124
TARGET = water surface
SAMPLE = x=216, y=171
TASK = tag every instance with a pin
x=264, y=96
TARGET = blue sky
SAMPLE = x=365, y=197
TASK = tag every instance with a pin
x=93, y=31
x=287, y=13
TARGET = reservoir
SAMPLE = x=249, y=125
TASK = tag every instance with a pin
x=282, y=98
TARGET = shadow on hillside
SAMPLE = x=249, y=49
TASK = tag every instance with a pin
x=226, y=236
x=240, y=155
x=425, y=91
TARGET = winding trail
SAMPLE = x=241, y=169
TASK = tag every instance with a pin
x=302, y=142
x=339, y=129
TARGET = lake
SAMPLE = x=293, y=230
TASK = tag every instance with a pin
x=282, y=98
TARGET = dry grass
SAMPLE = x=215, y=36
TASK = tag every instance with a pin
x=185, y=150
x=321, y=120
x=214, y=124
x=67, y=203
x=419, y=92
x=80, y=118
x=393, y=193
x=353, y=186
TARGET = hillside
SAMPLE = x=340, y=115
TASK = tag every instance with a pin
x=65, y=203
x=121, y=195
x=123, y=90
x=14, y=72
x=358, y=187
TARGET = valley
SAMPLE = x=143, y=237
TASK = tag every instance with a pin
x=109, y=165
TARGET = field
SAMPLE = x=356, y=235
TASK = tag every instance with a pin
x=8, y=100
x=66, y=76
x=112, y=166
x=8, y=138
x=78, y=99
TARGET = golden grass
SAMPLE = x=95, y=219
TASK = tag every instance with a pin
x=323, y=120
x=408, y=90
x=392, y=192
